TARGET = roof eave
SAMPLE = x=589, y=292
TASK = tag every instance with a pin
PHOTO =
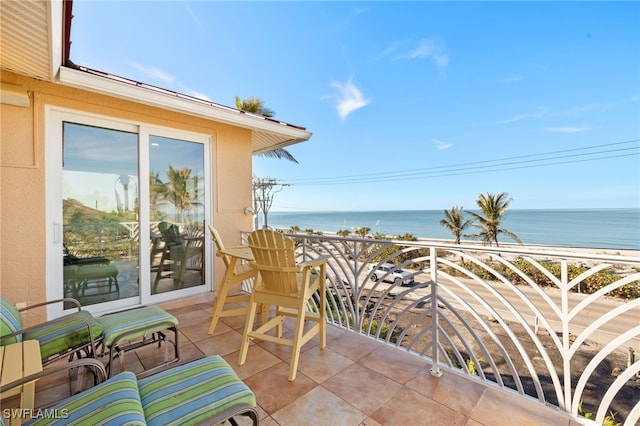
x=277, y=134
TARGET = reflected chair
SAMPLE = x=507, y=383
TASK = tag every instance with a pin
x=86, y=277
x=296, y=290
x=235, y=273
x=181, y=258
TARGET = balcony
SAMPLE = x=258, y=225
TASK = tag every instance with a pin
x=483, y=335
x=354, y=381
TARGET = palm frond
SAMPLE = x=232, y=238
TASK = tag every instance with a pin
x=279, y=154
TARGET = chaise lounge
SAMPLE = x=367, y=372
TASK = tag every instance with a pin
x=204, y=391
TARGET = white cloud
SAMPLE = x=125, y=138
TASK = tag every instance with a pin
x=349, y=98
x=581, y=109
x=153, y=72
x=569, y=129
x=442, y=145
x=194, y=18
x=511, y=78
x=429, y=48
x=538, y=114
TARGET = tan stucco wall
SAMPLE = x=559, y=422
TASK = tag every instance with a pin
x=22, y=176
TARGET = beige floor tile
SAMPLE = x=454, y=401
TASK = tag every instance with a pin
x=498, y=405
x=394, y=364
x=369, y=422
x=189, y=351
x=198, y=332
x=350, y=344
x=257, y=360
x=451, y=389
x=321, y=364
x=362, y=387
x=268, y=421
x=189, y=316
x=273, y=389
x=221, y=344
x=235, y=322
x=408, y=407
x=319, y=407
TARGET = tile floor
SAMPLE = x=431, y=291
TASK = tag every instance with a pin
x=354, y=381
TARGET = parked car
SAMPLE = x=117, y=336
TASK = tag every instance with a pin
x=390, y=273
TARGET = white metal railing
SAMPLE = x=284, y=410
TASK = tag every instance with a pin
x=526, y=320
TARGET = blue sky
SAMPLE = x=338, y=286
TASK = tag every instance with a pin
x=412, y=105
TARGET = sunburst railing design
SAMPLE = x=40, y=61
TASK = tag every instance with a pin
x=500, y=315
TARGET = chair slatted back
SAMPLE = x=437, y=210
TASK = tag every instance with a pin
x=215, y=236
x=275, y=258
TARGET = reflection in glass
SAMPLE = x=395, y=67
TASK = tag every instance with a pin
x=100, y=214
x=176, y=205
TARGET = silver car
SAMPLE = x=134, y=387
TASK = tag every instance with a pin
x=390, y=273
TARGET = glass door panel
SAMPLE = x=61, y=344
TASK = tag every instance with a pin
x=176, y=212
x=100, y=214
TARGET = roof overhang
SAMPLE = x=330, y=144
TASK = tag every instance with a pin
x=34, y=41
x=267, y=133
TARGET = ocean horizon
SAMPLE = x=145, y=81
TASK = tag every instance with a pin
x=606, y=228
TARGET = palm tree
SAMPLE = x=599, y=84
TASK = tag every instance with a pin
x=362, y=231
x=492, y=210
x=455, y=222
x=256, y=106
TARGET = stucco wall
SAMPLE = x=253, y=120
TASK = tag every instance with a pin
x=22, y=176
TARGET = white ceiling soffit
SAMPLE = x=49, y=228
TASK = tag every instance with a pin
x=267, y=134
x=31, y=37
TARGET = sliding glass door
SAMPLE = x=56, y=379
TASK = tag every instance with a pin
x=127, y=205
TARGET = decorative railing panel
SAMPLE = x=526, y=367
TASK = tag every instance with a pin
x=561, y=327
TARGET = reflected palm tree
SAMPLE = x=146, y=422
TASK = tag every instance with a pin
x=177, y=192
x=157, y=193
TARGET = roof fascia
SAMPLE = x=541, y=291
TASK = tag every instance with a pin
x=169, y=100
x=54, y=15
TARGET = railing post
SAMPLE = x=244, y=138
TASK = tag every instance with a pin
x=435, y=342
x=304, y=249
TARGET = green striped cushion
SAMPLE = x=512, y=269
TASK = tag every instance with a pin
x=206, y=389
x=10, y=321
x=150, y=319
x=64, y=333
x=115, y=402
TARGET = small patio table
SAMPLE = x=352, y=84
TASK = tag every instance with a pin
x=18, y=360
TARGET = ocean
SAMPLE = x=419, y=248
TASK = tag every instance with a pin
x=580, y=228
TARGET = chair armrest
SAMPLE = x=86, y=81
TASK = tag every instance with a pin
x=53, y=321
x=98, y=370
x=50, y=302
x=314, y=262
